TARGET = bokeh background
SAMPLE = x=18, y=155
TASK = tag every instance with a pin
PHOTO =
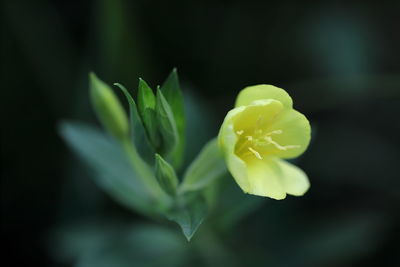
x=339, y=61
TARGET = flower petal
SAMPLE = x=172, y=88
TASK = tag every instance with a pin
x=237, y=167
x=227, y=140
x=265, y=178
x=249, y=117
x=294, y=180
x=295, y=134
x=263, y=91
x=275, y=178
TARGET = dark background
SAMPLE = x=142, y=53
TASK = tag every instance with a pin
x=340, y=62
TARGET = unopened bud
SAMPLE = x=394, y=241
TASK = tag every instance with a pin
x=108, y=108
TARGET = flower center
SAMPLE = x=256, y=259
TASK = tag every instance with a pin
x=255, y=142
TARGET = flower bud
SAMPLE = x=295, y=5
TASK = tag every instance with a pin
x=108, y=108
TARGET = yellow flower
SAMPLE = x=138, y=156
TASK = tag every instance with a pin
x=257, y=134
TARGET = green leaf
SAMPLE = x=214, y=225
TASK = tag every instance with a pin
x=147, y=106
x=166, y=175
x=166, y=124
x=108, y=108
x=138, y=132
x=114, y=173
x=208, y=166
x=189, y=213
x=211, y=193
x=173, y=94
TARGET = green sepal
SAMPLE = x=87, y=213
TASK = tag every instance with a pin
x=173, y=94
x=147, y=106
x=108, y=108
x=137, y=130
x=166, y=175
x=166, y=124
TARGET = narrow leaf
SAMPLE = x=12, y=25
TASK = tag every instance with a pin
x=189, y=214
x=208, y=166
x=104, y=155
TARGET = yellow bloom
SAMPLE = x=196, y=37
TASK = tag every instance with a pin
x=257, y=134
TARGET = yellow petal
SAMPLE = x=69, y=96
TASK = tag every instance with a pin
x=294, y=137
x=258, y=112
x=294, y=180
x=275, y=178
x=265, y=179
x=263, y=91
x=227, y=140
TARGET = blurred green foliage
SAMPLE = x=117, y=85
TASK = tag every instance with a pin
x=340, y=62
